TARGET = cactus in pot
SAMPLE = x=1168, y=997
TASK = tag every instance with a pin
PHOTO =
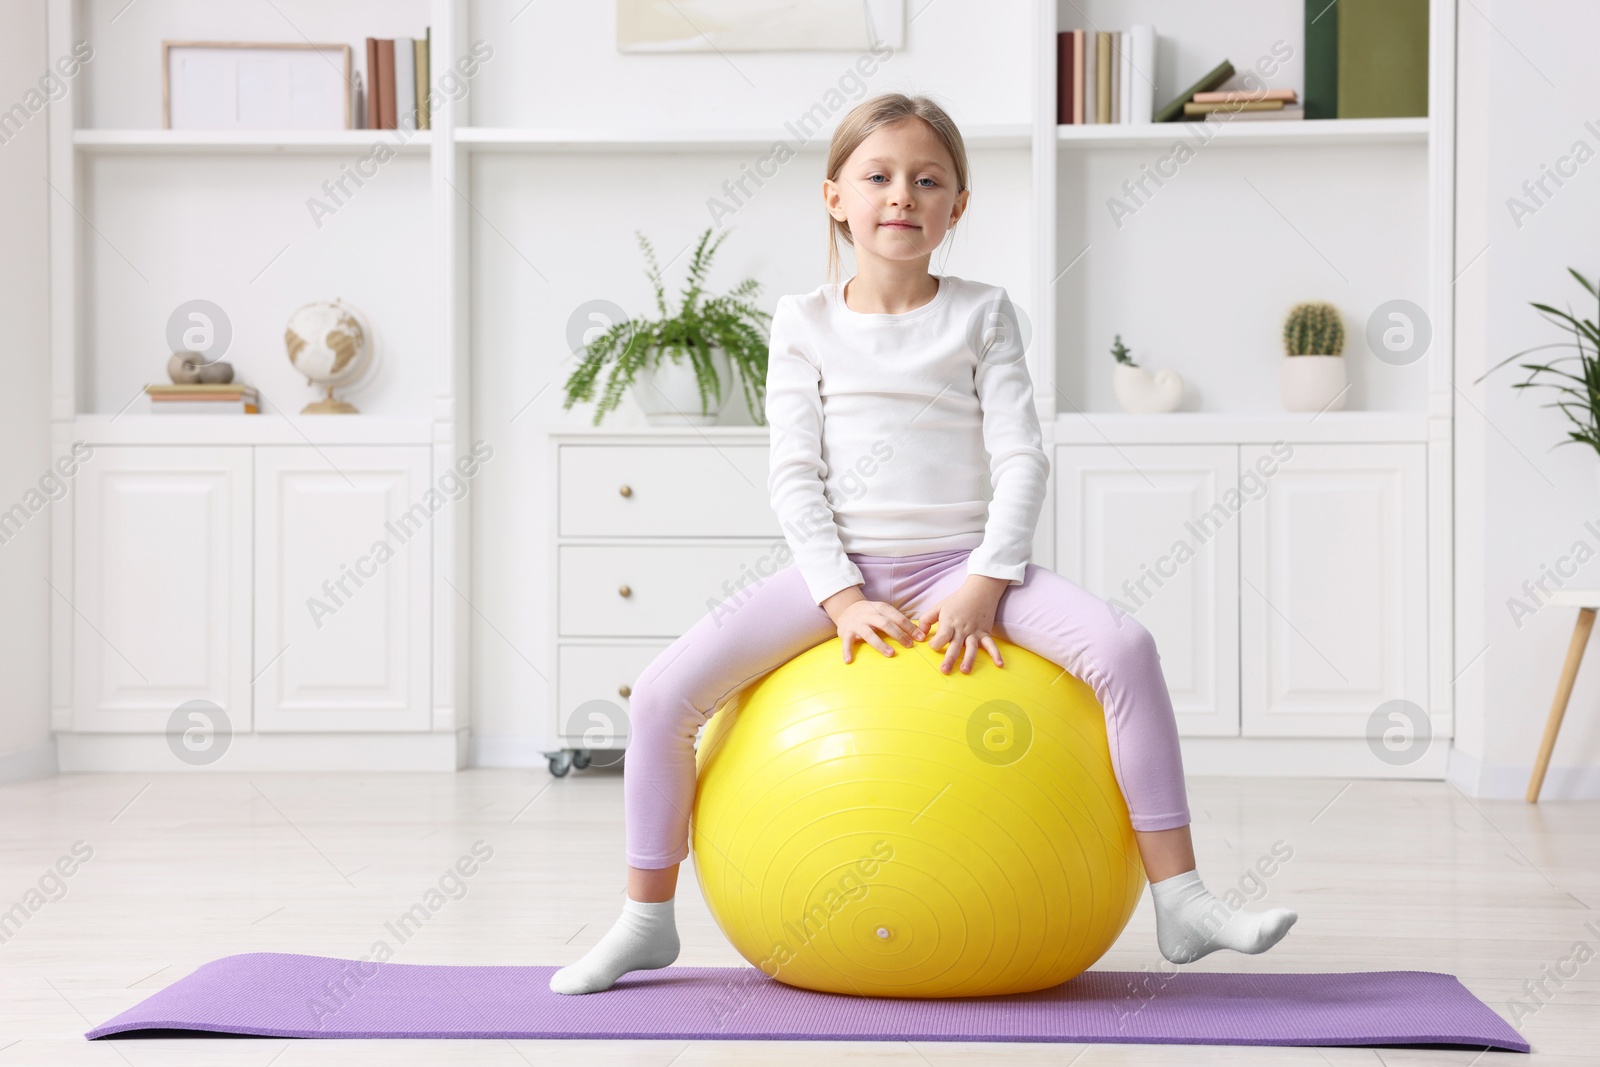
x=1314, y=376
x=1313, y=329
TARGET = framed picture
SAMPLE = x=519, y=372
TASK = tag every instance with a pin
x=255, y=85
x=759, y=25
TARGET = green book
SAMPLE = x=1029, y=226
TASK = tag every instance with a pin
x=1383, y=58
x=1322, y=59
x=1219, y=74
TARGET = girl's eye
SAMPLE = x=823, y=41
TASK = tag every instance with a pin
x=874, y=179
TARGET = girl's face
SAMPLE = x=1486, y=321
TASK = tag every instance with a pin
x=898, y=192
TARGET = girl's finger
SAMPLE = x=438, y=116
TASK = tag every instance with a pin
x=899, y=625
x=969, y=653
x=871, y=637
x=994, y=649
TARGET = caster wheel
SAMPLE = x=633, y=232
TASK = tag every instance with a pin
x=581, y=760
x=560, y=765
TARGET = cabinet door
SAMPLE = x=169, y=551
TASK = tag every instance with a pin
x=1149, y=527
x=1334, y=588
x=342, y=558
x=160, y=593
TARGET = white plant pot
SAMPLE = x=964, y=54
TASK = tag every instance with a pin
x=1143, y=393
x=1313, y=383
x=670, y=395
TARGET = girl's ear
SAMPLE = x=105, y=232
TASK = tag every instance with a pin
x=830, y=200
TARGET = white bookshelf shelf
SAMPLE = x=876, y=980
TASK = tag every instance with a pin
x=1249, y=132
x=667, y=140
x=286, y=141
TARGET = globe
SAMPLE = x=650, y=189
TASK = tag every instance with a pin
x=330, y=344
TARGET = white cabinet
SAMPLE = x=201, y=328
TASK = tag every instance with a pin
x=1334, y=589
x=160, y=594
x=653, y=530
x=288, y=585
x=342, y=547
x=1285, y=584
x=1143, y=526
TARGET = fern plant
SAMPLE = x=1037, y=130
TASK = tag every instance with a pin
x=1578, y=394
x=1313, y=329
x=730, y=322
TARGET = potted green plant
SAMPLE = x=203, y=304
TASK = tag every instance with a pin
x=1577, y=395
x=1137, y=389
x=1314, y=376
x=676, y=364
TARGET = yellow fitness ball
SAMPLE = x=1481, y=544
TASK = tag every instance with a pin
x=883, y=829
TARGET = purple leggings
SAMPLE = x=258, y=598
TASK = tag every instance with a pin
x=775, y=619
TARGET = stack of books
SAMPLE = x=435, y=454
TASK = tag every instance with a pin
x=397, y=82
x=1232, y=105
x=1105, y=76
x=200, y=399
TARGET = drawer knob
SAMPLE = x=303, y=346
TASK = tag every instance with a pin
x=624, y=690
x=626, y=490
x=624, y=591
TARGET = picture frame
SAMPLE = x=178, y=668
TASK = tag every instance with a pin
x=255, y=85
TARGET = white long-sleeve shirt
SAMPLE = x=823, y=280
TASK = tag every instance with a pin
x=879, y=424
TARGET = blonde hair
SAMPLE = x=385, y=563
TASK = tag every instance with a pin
x=870, y=115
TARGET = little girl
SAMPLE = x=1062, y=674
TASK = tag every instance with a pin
x=882, y=396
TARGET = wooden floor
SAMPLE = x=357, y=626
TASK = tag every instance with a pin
x=187, y=868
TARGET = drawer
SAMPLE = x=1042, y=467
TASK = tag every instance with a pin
x=668, y=587
x=665, y=491
x=598, y=673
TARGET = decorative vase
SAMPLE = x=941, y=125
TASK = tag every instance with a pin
x=1313, y=383
x=1143, y=393
x=669, y=393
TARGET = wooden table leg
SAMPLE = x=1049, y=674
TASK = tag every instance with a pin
x=1569, y=675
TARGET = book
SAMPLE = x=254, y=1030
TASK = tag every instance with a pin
x=405, y=83
x=1382, y=59
x=1228, y=96
x=1125, y=65
x=1077, y=76
x=1091, y=77
x=1102, y=75
x=384, y=85
x=1322, y=59
x=1295, y=112
x=424, y=79
x=203, y=398
x=1215, y=77
x=1144, y=71
x=200, y=390
x=203, y=407
x=1116, y=77
x=1066, y=78
x=372, y=83
x=1242, y=105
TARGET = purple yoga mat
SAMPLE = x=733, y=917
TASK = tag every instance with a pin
x=276, y=994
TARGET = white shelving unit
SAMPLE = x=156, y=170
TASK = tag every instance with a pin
x=1289, y=211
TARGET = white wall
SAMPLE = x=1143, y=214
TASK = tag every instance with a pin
x=550, y=232
x=1528, y=83
x=26, y=748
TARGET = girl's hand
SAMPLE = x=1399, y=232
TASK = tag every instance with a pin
x=860, y=619
x=967, y=616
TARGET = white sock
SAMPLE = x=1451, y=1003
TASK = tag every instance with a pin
x=1191, y=921
x=643, y=938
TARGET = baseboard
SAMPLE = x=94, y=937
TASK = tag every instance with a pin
x=1244, y=757
x=87, y=753
x=508, y=750
x=23, y=764
x=1509, y=781
x=1302, y=757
